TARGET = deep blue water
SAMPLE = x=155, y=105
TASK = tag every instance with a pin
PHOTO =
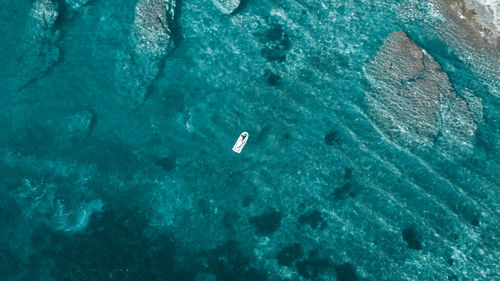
x=366, y=160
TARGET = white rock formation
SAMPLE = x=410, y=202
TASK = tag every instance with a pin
x=227, y=6
x=151, y=31
x=151, y=40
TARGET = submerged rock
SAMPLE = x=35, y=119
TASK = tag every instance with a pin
x=346, y=272
x=289, y=254
x=412, y=100
x=230, y=262
x=331, y=138
x=80, y=124
x=313, y=267
x=44, y=14
x=167, y=163
x=227, y=6
x=151, y=32
x=41, y=51
x=76, y=219
x=71, y=129
x=266, y=223
x=151, y=39
x=314, y=219
x=412, y=237
x=54, y=192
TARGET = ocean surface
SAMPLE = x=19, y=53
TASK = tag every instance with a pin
x=373, y=150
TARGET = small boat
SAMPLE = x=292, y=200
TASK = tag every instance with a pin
x=240, y=143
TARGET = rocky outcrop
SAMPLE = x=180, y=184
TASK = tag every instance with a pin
x=227, y=6
x=482, y=15
x=487, y=13
x=412, y=100
x=79, y=125
x=151, y=32
x=41, y=51
x=44, y=14
x=151, y=40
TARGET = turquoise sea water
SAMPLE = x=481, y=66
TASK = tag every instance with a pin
x=116, y=137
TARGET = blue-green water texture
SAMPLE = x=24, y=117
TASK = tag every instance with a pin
x=373, y=150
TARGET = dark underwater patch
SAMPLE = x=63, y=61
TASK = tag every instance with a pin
x=474, y=217
x=344, y=191
x=275, y=33
x=273, y=79
x=93, y=122
x=348, y=173
x=475, y=221
x=277, y=43
x=175, y=24
x=266, y=223
x=228, y=263
x=331, y=138
x=243, y=5
x=412, y=238
x=115, y=246
x=247, y=200
x=288, y=254
x=313, y=266
x=314, y=219
x=346, y=272
x=64, y=15
x=273, y=54
x=167, y=163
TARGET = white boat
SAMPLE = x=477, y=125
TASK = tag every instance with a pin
x=240, y=143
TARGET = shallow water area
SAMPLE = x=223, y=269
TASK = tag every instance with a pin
x=373, y=149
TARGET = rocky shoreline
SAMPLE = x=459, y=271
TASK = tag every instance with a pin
x=481, y=15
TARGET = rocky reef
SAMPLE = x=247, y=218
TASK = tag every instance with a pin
x=151, y=40
x=412, y=100
x=227, y=6
x=41, y=49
